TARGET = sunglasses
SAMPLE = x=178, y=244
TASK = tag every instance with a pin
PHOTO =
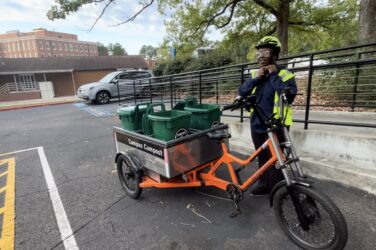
x=265, y=53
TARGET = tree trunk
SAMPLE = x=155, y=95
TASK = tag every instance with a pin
x=367, y=20
x=283, y=24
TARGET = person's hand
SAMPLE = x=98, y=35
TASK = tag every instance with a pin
x=238, y=99
x=261, y=72
x=272, y=68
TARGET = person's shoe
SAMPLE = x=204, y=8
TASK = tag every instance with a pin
x=258, y=189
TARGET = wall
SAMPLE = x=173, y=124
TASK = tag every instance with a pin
x=63, y=84
x=6, y=97
x=83, y=77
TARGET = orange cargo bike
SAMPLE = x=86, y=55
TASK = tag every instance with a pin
x=309, y=218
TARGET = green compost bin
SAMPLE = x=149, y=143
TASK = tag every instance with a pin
x=131, y=116
x=169, y=125
x=180, y=105
x=204, y=116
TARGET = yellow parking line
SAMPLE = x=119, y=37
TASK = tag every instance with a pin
x=2, y=174
x=7, y=234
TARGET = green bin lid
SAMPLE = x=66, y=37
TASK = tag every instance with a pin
x=202, y=108
x=130, y=110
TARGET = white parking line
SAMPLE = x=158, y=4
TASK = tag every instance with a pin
x=19, y=151
x=66, y=232
x=61, y=217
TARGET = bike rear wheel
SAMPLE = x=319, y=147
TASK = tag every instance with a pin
x=129, y=179
x=327, y=226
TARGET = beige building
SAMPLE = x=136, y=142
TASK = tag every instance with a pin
x=43, y=43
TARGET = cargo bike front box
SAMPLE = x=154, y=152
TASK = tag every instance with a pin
x=160, y=160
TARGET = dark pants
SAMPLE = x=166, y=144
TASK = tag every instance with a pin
x=271, y=176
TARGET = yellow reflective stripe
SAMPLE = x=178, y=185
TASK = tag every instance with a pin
x=285, y=75
x=253, y=73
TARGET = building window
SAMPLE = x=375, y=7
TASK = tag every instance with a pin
x=53, y=46
x=26, y=82
x=71, y=47
x=66, y=47
x=41, y=45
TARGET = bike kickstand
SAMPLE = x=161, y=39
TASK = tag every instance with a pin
x=236, y=212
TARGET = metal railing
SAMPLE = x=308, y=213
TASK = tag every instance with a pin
x=19, y=87
x=341, y=79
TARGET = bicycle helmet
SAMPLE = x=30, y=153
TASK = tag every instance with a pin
x=270, y=42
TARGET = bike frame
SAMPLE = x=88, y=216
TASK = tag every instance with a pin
x=194, y=178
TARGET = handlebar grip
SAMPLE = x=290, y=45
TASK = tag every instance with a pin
x=232, y=106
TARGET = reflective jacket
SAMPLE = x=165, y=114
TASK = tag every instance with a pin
x=267, y=91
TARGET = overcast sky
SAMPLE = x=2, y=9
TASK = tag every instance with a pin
x=147, y=29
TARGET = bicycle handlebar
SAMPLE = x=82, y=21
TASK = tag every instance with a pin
x=233, y=106
x=250, y=101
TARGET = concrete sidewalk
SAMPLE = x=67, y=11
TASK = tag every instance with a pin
x=37, y=102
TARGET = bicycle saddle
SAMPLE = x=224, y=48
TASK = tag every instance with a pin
x=219, y=135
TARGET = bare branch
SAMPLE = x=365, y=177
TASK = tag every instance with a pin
x=100, y=16
x=230, y=17
x=266, y=6
x=136, y=14
x=271, y=31
x=301, y=23
x=211, y=20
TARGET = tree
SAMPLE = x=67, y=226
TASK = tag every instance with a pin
x=148, y=51
x=367, y=20
x=192, y=20
x=116, y=49
x=102, y=50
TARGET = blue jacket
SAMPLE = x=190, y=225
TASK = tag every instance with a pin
x=265, y=92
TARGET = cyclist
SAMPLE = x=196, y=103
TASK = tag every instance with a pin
x=266, y=83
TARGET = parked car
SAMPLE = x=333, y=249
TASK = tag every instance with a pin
x=131, y=83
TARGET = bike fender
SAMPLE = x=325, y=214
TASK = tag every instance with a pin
x=133, y=159
x=283, y=183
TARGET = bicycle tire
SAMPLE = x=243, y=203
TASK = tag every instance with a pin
x=310, y=205
x=129, y=179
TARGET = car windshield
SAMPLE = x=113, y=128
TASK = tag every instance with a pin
x=109, y=77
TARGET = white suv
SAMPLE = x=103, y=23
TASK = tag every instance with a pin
x=106, y=88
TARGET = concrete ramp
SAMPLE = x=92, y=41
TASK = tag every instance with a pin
x=343, y=154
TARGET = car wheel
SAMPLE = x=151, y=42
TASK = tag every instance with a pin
x=102, y=97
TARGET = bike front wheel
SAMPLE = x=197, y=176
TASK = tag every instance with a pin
x=327, y=226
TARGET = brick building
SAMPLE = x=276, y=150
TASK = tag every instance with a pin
x=43, y=43
x=20, y=78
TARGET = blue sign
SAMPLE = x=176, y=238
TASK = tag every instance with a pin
x=173, y=53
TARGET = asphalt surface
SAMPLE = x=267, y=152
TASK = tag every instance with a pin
x=79, y=146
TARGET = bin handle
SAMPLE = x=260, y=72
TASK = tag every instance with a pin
x=190, y=101
x=150, y=109
x=146, y=125
x=147, y=104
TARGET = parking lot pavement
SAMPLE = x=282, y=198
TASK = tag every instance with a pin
x=80, y=152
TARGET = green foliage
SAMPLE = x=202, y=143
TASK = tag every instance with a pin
x=116, y=49
x=102, y=50
x=187, y=63
x=148, y=51
x=313, y=25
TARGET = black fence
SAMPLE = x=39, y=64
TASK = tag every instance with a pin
x=340, y=79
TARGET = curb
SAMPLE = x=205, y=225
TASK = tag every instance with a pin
x=25, y=106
